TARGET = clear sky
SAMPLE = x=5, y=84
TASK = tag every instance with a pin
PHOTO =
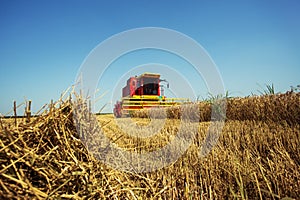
x=44, y=43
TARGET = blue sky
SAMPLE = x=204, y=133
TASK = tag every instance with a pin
x=44, y=43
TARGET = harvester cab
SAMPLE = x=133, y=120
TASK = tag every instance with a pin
x=143, y=92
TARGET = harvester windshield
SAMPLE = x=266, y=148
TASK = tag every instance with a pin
x=151, y=86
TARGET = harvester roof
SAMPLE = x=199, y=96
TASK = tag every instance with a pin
x=149, y=75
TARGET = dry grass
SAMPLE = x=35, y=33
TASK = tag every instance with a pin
x=257, y=156
x=276, y=108
x=252, y=160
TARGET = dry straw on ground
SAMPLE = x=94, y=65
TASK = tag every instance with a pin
x=257, y=156
x=276, y=108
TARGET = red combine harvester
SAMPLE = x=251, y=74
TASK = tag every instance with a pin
x=142, y=92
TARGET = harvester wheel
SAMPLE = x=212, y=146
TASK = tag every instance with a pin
x=118, y=110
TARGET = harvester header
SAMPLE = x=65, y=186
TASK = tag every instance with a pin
x=142, y=92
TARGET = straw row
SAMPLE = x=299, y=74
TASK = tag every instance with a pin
x=45, y=158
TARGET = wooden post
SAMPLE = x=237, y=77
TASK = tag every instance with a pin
x=90, y=106
x=89, y=109
x=51, y=105
x=15, y=112
x=28, y=111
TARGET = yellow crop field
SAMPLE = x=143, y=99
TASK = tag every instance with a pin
x=257, y=155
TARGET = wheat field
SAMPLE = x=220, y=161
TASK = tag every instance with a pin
x=257, y=155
